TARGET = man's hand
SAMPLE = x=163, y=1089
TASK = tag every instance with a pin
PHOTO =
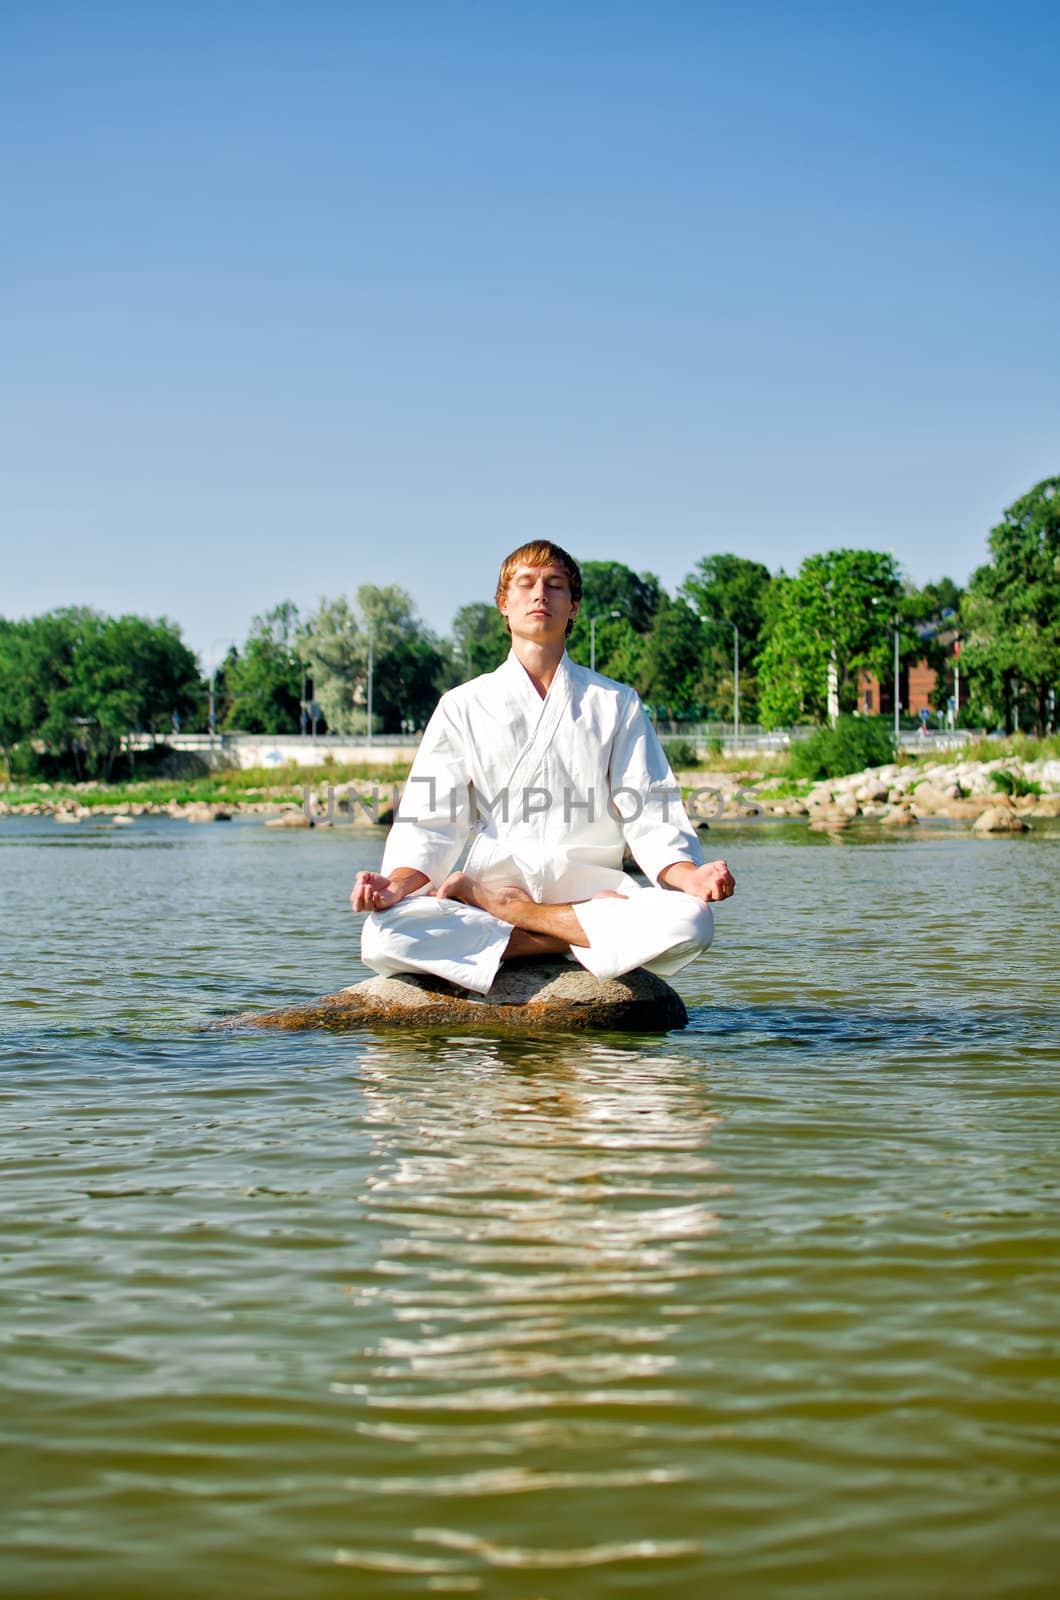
x=712, y=881
x=373, y=892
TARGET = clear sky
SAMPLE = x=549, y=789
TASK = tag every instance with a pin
x=298, y=297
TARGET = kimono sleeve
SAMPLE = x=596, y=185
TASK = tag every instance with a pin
x=433, y=819
x=644, y=793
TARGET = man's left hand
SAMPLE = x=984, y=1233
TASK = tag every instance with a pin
x=712, y=881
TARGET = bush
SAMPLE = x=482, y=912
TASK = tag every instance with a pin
x=680, y=753
x=854, y=743
x=1013, y=783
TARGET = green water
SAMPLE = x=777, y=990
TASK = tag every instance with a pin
x=764, y=1308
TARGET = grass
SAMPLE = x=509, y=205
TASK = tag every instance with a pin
x=1020, y=747
x=227, y=787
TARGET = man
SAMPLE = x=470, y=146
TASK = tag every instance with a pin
x=550, y=770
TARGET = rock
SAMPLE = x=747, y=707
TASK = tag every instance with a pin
x=67, y=816
x=1000, y=820
x=930, y=798
x=289, y=819
x=900, y=817
x=830, y=817
x=966, y=810
x=1048, y=805
x=533, y=996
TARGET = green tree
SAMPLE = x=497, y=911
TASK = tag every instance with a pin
x=21, y=702
x=381, y=630
x=611, y=587
x=730, y=591
x=479, y=643
x=670, y=673
x=264, y=682
x=1011, y=617
x=96, y=679
x=823, y=626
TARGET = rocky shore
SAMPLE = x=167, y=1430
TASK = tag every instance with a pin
x=898, y=795
x=904, y=795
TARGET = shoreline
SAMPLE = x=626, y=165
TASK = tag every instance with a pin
x=898, y=794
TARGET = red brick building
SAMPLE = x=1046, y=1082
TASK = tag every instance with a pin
x=916, y=685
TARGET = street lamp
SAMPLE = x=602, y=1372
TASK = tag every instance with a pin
x=371, y=677
x=897, y=670
x=721, y=622
x=600, y=615
x=212, y=716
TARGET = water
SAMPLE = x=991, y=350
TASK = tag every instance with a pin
x=764, y=1308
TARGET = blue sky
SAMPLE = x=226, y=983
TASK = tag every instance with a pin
x=297, y=298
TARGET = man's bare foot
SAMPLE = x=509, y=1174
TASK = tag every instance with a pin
x=500, y=900
x=508, y=903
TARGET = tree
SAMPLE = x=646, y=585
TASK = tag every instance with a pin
x=479, y=642
x=264, y=683
x=670, y=675
x=611, y=587
x=88, y=680
x=1011, y=618
x=823, y=626
x=729, y=590
x=405, y=660
x=21, y=704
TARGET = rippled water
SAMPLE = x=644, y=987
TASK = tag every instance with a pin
x=763, y=1308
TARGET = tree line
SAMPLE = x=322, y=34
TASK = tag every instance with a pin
x=74, y=683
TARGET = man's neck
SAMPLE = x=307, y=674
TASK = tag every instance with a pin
x=540, y=662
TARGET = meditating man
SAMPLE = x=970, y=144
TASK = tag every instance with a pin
x=550, y=770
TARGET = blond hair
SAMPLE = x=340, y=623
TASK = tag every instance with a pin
x=540, y=553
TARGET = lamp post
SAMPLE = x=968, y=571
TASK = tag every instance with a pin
x=721, y=622
x=371, y=677
x=600, y=615
x=897, y=672
x=211, y=722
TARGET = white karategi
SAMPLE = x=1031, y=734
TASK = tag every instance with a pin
x=549, y=792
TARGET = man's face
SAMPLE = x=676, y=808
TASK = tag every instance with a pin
x=538, y=604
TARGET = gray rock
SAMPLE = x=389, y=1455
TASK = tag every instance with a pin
x=901, y=817
x=999, y=819
x=532, y=996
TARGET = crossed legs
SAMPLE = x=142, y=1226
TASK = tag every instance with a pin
x=466, y=930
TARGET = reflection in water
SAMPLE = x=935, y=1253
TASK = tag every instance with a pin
x=538, y=1206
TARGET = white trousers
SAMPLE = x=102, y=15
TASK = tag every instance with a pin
x=661, y=929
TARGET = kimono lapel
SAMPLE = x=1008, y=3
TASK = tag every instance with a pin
x=550, y=714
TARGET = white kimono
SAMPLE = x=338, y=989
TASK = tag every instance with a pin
x=549, y=792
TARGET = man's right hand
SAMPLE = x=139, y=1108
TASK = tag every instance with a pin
x=373, y=892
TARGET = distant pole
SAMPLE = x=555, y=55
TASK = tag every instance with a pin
x=723, y=622
x=301, y=714
x=371, y=675
x=897, y=685
x=956, y=679
x=212, y=724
